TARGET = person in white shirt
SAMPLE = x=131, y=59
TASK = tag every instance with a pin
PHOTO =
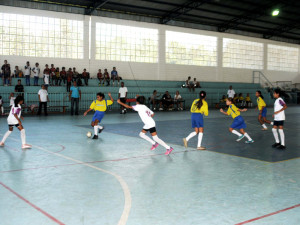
x=11, y=99
x=123, y=96
x=13, y=120
x=36, y=73
x=27, y=73
x=230, y=92
x=149, y=124
x=43, y=99
x=279, y=117
x=178, y=100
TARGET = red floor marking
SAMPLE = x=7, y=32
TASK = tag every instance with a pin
x=270, y=214
x=34, y=206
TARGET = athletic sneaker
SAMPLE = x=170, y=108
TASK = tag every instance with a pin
x=240, y=137
x=154, y=146
x=185, y=142
x=169, y=151
x=249, y=142
x=264, y=129
x=25, y=146
x=95, y=137
x=1, y=144
x=201, y=148
x=275, y=145
x=100, y=130
x=282, y=147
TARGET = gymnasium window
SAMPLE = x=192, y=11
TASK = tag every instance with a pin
x=242, y=54
x=126, y=43
x=283, y=58
x=191, y=49
x=37, y=36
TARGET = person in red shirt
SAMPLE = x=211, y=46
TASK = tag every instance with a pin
x=63, y=75
x=106, y=77
x=69, y=79
x=85, y=76
x=100, y=77
x=52, y=73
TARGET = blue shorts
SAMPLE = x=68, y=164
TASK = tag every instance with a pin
x=197, y=120
x=238, y=123
x=98, y=116
x=264, y=112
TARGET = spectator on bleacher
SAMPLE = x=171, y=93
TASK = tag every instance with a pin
x=43, y=99
x=5, y=73
x=114, y=76
x=52, y=74
x=221, y=102
x=69, y=79
x=46, y=76
x=12, y=99
x=196, y=83
x=241, y=99
x=19, y=87
x=85, y=76
x=57, y=77
x=154, y=99
x=1, y=106
x=230, y=92
x=166, y=102
x=36, y=73
x=63, y=74
x=123, y=96
x=106, y=77
x=27, y=73
x=17, y=72
x=75, y=97
x=235, y=99
x=75, y=75
x=178, y=100
x=248, y=101
x=100, y=77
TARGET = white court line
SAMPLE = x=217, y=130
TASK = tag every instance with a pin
x=126, y=191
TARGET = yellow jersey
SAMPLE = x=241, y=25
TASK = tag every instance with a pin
x=202, y=110
x=248, y=99
x=100, y=105
x=233, y=111
x=241, y=98
x=260, y=103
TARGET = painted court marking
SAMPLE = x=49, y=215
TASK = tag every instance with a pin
x=267, y=215
x=32, y=205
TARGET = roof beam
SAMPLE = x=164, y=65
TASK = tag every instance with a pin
x=97, y=4
x=280, y=30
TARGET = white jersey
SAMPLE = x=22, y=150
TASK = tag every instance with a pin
x=231, y=93
x=46, y=79
x=145, y=115
x=278, y=105
x=11, y=119
x=122, y=92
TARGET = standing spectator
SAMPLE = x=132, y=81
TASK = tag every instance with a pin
x=36, y=73
x=43, y=99
x=166, y=101
x=85, y=76
x=52, y=74
x=6, y=73
x=115, y=76
x=123, y=96
x=63, y=75
x=106, y=77
x=74, y=97
x=27, y=73
x=230, y=92
x=19, y=87
x=100, y=77
x=196, y=83
x=46, y=76
x=75, y=75
x=178, y=100
x=57, y=77
x=69, y=79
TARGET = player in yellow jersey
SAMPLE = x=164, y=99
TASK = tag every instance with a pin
x=262, y=107
x=238, y=122
x=99, y=106
x=198, y=108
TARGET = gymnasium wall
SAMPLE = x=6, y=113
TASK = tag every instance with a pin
x=149, y=71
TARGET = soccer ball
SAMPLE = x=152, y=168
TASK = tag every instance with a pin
x=89, y=134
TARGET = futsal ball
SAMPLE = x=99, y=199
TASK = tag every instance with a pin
x=89, y=134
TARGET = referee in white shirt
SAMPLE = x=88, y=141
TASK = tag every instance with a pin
x=123, y=96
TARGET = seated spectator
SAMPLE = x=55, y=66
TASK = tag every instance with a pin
x=58, y=78
x=46, y=76
x=190, y=84
x=235, y=99
x=17, y=72
x=52, y=74
x=106, y=77
x=196, y=83
x=248, y=101
x=178, y=100
x=85, y=76
x=221, y=102
x=100, y=77
x=114, y=76
x=241, y=99
x=166, y=102
x=19, y=87
x=76, y=75
x=63, y=75
x=154, y=99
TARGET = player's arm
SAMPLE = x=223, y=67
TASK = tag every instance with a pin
x=242, y=110
x=222, y=111
x=86, y=112
x=16, y=116
x=152, y=115
x=125, y=105
x=284, y=107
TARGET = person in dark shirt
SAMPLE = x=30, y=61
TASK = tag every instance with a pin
x=19, y=87
x=6, y=73
x=166, y=102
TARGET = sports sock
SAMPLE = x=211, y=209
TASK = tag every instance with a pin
x=2, y=109
x=191, y=135
x=275, y=135
x=161, y=142
x=6, y=136
x=145, y=137
x=236, y=133
x=272, y=123
x=200, y=136
x=23, y=137
x=264, y=126
x=247, y=136
x=100, y=127
x=96, y=130
x=281, y=133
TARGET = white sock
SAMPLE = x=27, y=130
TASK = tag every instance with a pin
x=145, y=137
x=200, y=136
x=236, y=133
x=23, y=137
x=6, y=136
x=275, y=135
x=264, y=126
x=272, y=123
x=281, y=133
x=96, y=130
x=100, y=127
x=161, y=142
x=247, y=136
x=2, y=110
x=193, y=134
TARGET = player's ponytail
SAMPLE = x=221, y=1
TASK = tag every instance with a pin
x=260, y=95
x=18, y=99
x=202, y=97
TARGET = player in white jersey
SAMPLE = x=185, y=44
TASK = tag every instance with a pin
x=14, y=120
x=279, y=117
x=146, y=116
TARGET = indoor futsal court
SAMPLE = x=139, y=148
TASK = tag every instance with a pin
x=149, y=112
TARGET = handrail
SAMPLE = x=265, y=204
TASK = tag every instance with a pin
x=261, y=75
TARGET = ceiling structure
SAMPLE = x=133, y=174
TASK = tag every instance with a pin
x=244, y=17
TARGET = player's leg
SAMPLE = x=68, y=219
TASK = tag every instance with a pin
x=282, y=137
x=200, y=137
x=169, y=149
x=10, y=129
x=145, y=137
x=275, y=134
x=250, y=140
x=23, y=137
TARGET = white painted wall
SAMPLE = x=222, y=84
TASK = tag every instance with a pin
x=150, y=71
